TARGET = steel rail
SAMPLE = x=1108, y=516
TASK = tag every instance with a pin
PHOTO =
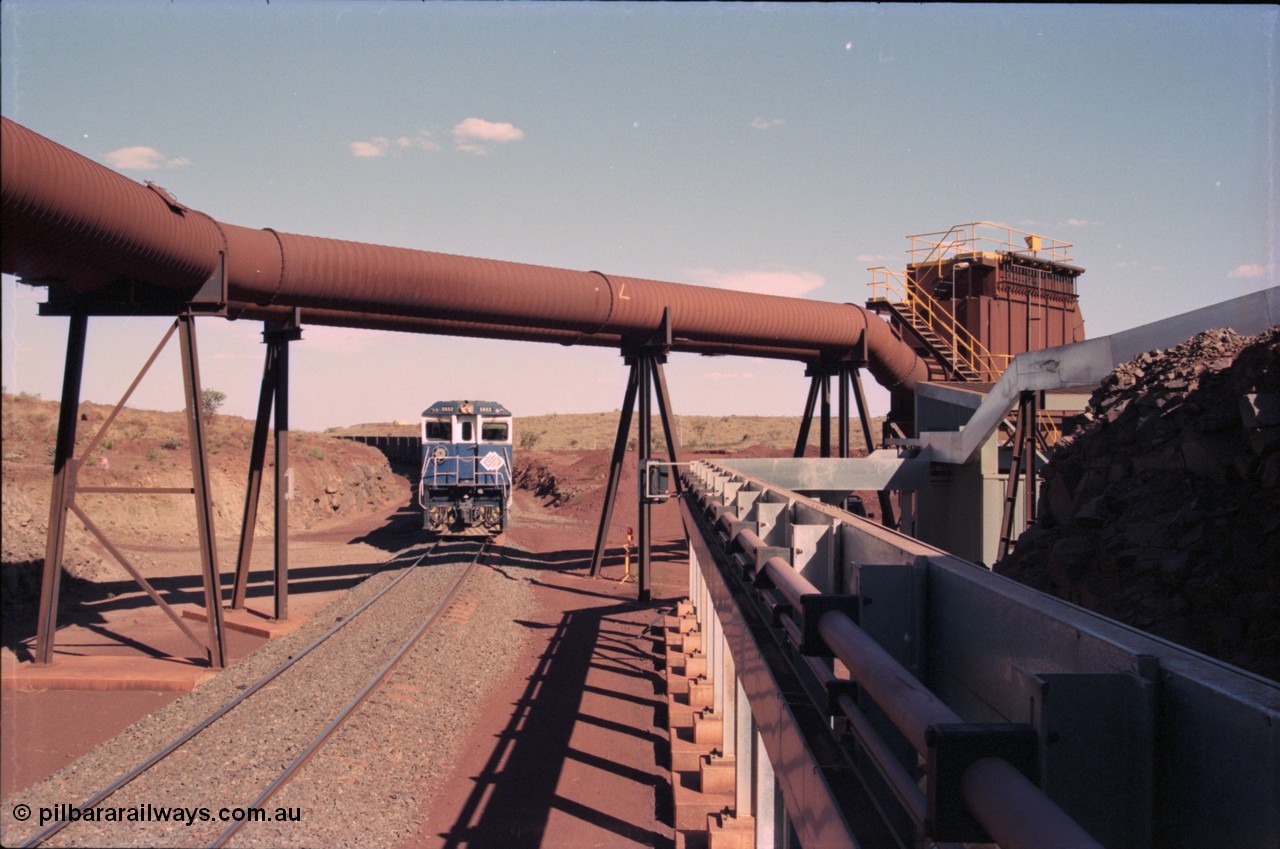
x=337, y=721
x=226, y=708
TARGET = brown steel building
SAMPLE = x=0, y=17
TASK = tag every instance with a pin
x=974, y=296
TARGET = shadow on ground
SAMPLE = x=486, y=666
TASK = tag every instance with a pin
x=565, y=770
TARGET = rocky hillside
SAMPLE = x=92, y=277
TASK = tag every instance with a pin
x=333, y=480
x=1162, y=509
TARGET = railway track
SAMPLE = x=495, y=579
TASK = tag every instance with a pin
x=228, y=766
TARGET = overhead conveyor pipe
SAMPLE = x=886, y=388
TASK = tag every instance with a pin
x=70, y=222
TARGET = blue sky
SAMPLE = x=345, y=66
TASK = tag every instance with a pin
x=778, y=147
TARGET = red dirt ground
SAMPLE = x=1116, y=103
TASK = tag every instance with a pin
x=45, y=729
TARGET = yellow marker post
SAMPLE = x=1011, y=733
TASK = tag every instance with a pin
x=626, y=559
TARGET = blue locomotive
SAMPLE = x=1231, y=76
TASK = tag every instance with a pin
x=465, y=487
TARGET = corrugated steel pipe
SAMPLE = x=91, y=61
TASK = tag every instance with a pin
x=71, y=222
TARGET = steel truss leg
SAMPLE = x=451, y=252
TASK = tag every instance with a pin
x=842, y=412
x=806, y=420
x=644, y=522
x=204, y=499
x=281, y=340
x=615, y=466
x=63, y=486
x=1032, y=410
x=887, y=517
x=846, y=373
x=253, y=489
x=645, y=377
x=820, y=397
x=824, y=410
x=1021, y=464
x=664, y=413
x=274, y=392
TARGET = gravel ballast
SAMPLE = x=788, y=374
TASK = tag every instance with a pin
x=367, y=784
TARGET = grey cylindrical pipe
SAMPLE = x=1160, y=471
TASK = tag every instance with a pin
x=71, y=222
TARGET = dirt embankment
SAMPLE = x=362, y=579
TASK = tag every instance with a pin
x=1162, y=509
x=333, y=480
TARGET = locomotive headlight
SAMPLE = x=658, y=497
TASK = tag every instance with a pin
x=440, y=452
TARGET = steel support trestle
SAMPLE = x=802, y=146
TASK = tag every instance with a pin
x=645, y=376
x=1022, y=465
x=274, y=392
x=63, y=486
x=66, y=487
x=282, y=479
x=204, y=498
x=848, y=373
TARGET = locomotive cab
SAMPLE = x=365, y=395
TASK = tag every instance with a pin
x=465, y=486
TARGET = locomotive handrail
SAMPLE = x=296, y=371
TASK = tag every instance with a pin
x=468, y=486
x=478, y=478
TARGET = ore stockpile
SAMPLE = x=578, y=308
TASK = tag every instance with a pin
x=1162, y=508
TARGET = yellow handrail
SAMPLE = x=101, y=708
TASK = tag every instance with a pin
x=1045, y=426
x=970, y=239
x=964, y=345
x=1049, y=428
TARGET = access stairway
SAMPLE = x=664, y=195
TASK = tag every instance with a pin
x=944, y=361
x=950, y=349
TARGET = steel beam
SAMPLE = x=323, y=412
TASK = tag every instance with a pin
x=806, y=419
x=62, y=496
x=257, y=460
x=615, y=466
x=282, y=479
x=644, y=448
x=203, y=495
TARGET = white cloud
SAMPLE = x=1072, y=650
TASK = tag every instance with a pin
x=1247, y=272
x=793, y=284
x=143, y=159
x=1077, y=222
x=368, y=149
x=422, y=141
x=478, y=136
x=878, y=259
x=382, y=145
x=762, y=123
